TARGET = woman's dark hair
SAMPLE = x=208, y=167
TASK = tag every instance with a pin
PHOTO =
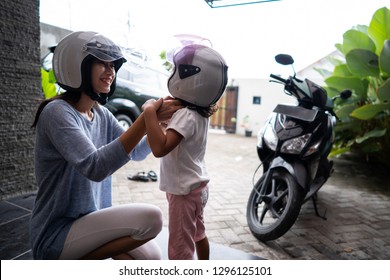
x=203, y=111
x=71, y=97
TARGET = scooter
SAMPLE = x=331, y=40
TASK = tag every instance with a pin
x=293, y=147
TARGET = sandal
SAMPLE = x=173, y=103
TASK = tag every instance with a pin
x=140, y=176
x=152, y=175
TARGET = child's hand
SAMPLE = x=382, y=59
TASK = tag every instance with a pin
x=152, y=104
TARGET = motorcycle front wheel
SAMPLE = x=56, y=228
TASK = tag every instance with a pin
x=271, y=215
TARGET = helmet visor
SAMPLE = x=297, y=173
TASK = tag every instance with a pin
x=181, y=40
x=103, y=49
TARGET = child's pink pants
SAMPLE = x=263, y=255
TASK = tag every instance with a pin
x=186, y=222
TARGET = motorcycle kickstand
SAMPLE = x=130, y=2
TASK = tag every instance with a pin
x=316, y=209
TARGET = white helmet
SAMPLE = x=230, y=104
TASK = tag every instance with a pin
x=73, y=58
x=200, y=75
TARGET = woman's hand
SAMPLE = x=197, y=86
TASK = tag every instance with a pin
x=152, y=104
x=168, y=107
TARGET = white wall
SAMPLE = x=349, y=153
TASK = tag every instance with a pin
x=50, y=36
x=271, y=94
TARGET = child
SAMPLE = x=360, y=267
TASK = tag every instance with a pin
x=198, y=81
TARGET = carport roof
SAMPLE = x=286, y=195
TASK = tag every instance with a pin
x=230, y=3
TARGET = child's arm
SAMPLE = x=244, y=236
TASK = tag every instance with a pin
x=160, y=143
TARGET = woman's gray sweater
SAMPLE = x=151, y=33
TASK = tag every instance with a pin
x=74, y=161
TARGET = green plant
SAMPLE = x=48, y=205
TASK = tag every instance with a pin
x=166, y=63
x=363, y=65
x=246, y=123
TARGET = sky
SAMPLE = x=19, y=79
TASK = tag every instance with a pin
x=248, y=36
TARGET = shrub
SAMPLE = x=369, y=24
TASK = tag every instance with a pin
x=363, y=65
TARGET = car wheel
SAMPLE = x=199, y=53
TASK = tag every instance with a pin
x=124, y=121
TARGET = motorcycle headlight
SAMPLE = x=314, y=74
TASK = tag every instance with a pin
x=270, y=138
x=295, y=145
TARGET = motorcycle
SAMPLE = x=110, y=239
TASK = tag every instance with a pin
x=293, y=147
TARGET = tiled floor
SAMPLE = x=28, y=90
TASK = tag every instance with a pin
x=14, y=218
x=14, y=240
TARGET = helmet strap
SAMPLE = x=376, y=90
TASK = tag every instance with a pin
x=101, y=98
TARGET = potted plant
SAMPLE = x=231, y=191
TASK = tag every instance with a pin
x=247, y=126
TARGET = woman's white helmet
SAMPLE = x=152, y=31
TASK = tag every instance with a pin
x=71, y=56
x=200, y=75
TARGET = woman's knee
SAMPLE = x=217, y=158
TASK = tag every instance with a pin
x=143, y=220
x=155, y=218
x=152, y=221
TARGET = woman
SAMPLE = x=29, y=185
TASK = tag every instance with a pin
x=79, y=145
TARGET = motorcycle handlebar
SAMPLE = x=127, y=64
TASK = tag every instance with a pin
x=280, y=79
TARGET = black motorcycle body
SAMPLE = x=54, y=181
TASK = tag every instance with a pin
x=293, y=147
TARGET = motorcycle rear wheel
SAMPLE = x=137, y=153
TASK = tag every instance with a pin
x=272, y=215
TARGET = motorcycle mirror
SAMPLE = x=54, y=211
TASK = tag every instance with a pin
x=345, y=94
x=284, y=59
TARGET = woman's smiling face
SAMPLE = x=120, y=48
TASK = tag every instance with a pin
x=103, y=74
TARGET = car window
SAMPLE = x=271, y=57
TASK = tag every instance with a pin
x=146, y=76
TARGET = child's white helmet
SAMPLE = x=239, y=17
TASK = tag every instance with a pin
x=200, y=75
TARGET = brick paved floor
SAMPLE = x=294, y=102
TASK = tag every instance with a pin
x=357, y=205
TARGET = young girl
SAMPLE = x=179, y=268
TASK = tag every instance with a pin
x=198, y=81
